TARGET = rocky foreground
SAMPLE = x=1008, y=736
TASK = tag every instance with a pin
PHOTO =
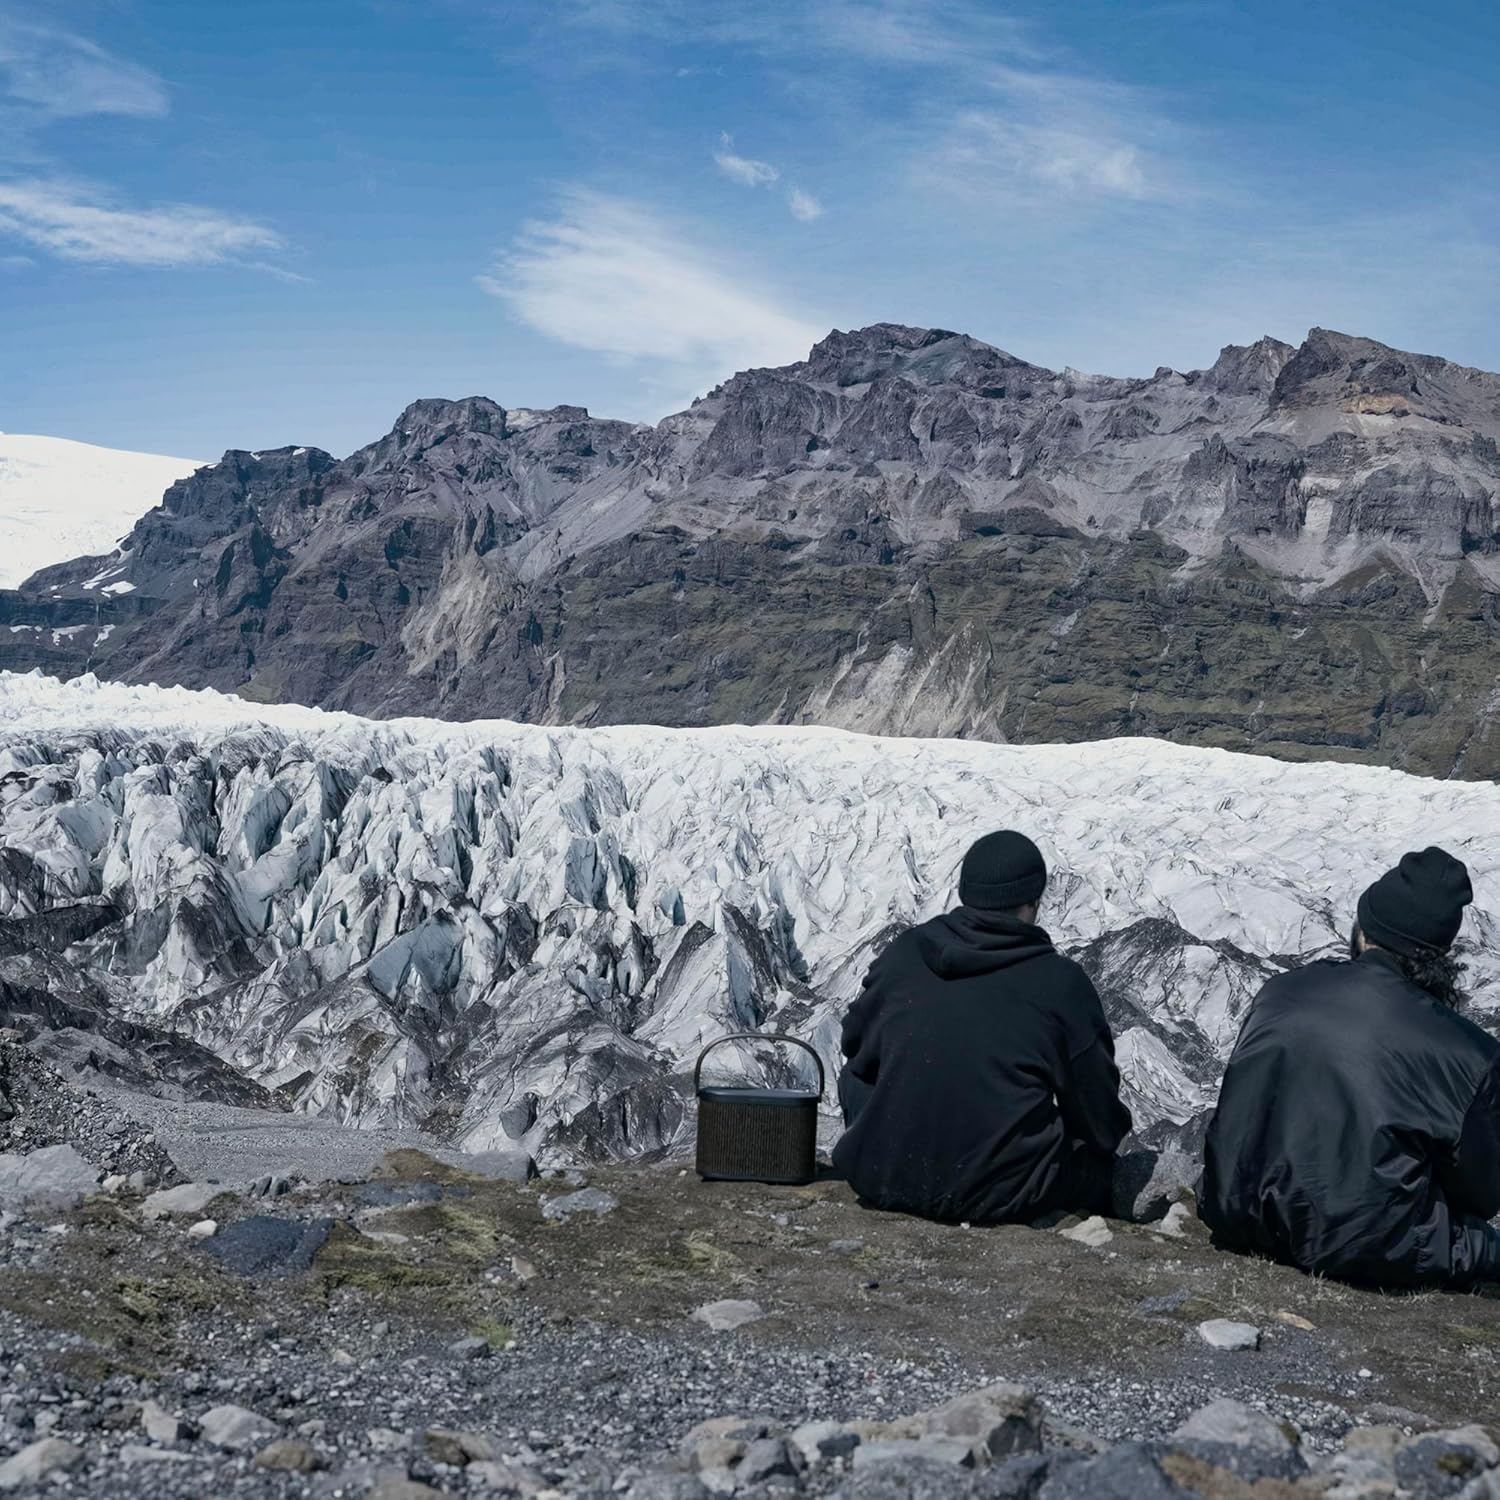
x=402, y=1326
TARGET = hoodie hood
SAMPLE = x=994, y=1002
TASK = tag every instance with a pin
x=967, y=942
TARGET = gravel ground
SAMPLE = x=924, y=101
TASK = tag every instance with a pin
x=559, y=1332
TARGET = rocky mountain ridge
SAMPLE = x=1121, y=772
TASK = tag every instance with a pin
x=1293, y=550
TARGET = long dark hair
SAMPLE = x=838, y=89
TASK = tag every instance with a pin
x=1436, y=972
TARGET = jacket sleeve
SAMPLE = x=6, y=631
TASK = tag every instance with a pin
x=859, y=1021
x=1089, y=1095
x=1475, y=1255
x=1471, y=1180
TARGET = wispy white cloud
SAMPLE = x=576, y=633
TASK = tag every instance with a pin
x=743, y=169
x=608, y=275
x=1061, y=135
x=757, y=174
x=921, y=33
x=803, y=205
x=76, y=223
x=49, y=74
x=976, y=99
x=905, y=32
x=56, y=74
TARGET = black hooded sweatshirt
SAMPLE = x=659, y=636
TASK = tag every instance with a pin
x=1357, y=1132
x=989, y=1062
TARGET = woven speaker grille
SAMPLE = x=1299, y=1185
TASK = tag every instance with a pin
x=761, y=1142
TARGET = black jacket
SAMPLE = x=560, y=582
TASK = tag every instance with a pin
x=987, y=1055
x=1357, y=1133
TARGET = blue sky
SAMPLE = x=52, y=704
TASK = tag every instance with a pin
x=252, y=224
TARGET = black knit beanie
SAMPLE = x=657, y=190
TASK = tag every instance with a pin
x=1002, y=871
x=1417, y=908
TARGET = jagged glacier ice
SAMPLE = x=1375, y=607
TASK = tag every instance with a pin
x=505, y=933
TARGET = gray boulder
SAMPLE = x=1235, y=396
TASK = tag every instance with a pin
x=38, y=1461
x=728, y=1314
x=996, y=1420
x=1439, y=1464
x=1225, y=1333
x=585, y=1201
x=50, y=1177
x=264, y=1245
x=501, y=1166
x=1232, y=1422
x=935, y=1449
x=189, y=1198
x=236, y=1428
x=771, y=1460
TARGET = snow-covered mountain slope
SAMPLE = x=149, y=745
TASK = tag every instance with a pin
x=60, y=499
x=505, y=932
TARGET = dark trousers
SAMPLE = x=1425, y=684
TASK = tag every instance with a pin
x=853, y=1095
x=1083, y=1184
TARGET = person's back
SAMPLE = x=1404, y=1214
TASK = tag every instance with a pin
x=980, y=1078
x=1357, y=1132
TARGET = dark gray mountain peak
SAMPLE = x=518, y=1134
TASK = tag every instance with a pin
x=1248, y=369
x=909, y=531
x=927, y=356
x=432, y=421
x=1365, y=377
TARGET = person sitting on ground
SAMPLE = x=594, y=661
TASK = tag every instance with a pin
x=980, y=1083
x=1357, y=1132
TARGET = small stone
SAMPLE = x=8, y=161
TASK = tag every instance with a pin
x=384, y=1439
x=139, y=1453
x=946, y=1450
x=204, y=1229
x=446, y=1446
x=161, y=1426
x=1232, y=1422
x=114, y=1182
x=472, y=1347
x=522, y=1269
x=997, y=1420
x=1224, y=1333
x=729, y=1314
x=509, y=1478
x=48, y=1455
x=399, y=1487
x=341, y=1357
x=1294, y=1320
x=846, y=1247
x=187, y=1198
x=586, y=1201
x=290, y=1456
x=819, y=1442
x=1174, y=1223
x=1092, y=1232
x=717, y=1453
x=738, y=1429
x=236, y=1427
x=770, y=1459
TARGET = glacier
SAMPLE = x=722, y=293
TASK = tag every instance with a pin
x=60, y=500
x=509, y=934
